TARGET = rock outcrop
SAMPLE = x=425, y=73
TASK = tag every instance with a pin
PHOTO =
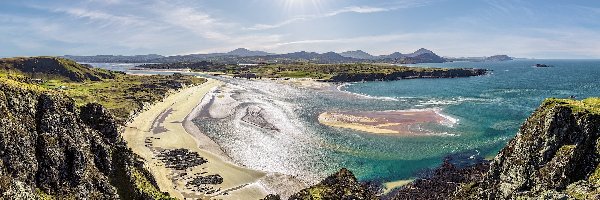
x=341, y=185
x=49, y=148
x=443, y=183
x=556, y=154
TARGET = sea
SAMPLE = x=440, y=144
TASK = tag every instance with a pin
x=487, y=110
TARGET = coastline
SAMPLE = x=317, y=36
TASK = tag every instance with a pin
x=141, y=136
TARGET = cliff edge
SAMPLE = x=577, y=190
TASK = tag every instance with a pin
x=555, y=155
x=52, y=149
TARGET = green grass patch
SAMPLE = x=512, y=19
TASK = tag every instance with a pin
x=142, y=183
x=591, y=105
x=124, y=94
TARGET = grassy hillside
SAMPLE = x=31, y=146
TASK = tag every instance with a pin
x=53, y=68
x=120, y=93
x=591, y=105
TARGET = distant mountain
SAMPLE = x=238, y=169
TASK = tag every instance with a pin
x=420, y=56
x=246, y=53
x=419, y=52
x=359, y=54
x=395, y=55
x=423, y=58
x=242, y=55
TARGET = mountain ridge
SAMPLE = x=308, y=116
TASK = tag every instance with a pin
x=243, y=55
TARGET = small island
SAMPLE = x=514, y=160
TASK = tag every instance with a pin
x=541, y=65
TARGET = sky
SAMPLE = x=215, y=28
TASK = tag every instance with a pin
x=519, y=28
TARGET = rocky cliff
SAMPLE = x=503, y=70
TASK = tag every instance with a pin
x=51, y=149
x=554, y=155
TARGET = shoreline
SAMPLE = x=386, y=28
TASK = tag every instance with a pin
x=178, y=132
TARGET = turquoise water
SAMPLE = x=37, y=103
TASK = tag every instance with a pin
x=489, y=110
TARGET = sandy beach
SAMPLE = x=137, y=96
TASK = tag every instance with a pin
x=166, y=126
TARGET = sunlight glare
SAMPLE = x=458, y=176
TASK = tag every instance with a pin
x=302, y=5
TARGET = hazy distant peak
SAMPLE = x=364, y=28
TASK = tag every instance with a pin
x=395, y=55
x=245, y=52
x=422, y=51
x=357, y=54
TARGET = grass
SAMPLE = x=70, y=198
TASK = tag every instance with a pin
x=325, y=71
x=43, y=196
x=142, y=183
x=14, y=80
x=595, y=177
x=311, y=70
x=120, y=93
x=591, y=105
x=124, y=94
x=53, y=68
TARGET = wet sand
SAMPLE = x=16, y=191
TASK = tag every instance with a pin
x=166, y=126
x=397, y=122
x=390, y=186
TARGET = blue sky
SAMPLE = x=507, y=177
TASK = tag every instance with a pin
x=521, y=28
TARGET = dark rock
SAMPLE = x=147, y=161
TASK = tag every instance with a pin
x=272, y=197
x=555, y=148
x=204, y=180
x=49, y=147
x=444, y=181
x=541, y=65
x=180, y=159
x=341, y=185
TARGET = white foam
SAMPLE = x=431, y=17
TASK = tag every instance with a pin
x=451, y=121
x=340, y=88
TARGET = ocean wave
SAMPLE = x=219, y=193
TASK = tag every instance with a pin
x=455, y=101
x=340, y=88
x=451, y=121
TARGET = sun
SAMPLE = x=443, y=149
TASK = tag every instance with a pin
x=303, y=5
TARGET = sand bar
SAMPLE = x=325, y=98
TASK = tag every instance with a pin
x=395, y=122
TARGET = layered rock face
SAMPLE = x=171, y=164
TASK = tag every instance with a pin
x=555, y=155
x=51, y=148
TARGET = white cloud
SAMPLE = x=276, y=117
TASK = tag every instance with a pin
x=166, y=27
x=96, y=15
x=344, y=10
